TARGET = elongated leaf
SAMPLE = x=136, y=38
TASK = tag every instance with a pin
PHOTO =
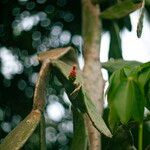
x=113, y=65
x=96, y=119
x=120, y=10
x=140, y=22
x=79, y=141
x=127, y=23
x=19, y=135
x=54, y=54
x=81, y=101
x=115, y=49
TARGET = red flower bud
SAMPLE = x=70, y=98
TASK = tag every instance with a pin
x=73, y=73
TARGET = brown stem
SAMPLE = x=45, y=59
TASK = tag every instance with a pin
x=93, y=79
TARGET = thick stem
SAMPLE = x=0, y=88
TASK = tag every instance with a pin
x=93, y=79
x=140, y=136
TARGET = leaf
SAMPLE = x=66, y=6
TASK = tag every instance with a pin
x=113, y=65
x=122, y=103
x=144, y=81
x=40, y=88
x=113, y=118
x=79, y=141
x=144, y=76
x=125, y=97
x=82, y=102
x=19, y=135
x=120, y=10
x=115, y=80
x=54, y=54
x=140, y=22
x=96, y=119
x=138, y=101
x=147, y=94
x=115, y=49
x=127, y=23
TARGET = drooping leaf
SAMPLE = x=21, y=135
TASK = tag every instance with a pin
x=19, y=135
x=140, y=21
x=113, y=65
x=66, y=54
x=54, y=54
x=115, y=49
x=120, y=10
x=40, y=88
x=96, y=119
x=81, y=102
x=79, y=141
x=127, y=23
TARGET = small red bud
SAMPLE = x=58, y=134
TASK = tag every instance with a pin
x=73, y=73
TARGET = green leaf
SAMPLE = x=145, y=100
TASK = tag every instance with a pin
x=19, y=135
x=122, y=103
x=79, y=140
x=138, y=101
x=127, y=23
x=96, y=119
x=115, y=49
x=144, y=81
x=81, y=102
x=115, y=80
x=113, y=65
x=120, y=10
x=147, y=95
x=125, y=98
x=113, y=118
x=144, y=76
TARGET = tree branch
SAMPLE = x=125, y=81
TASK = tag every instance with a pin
x=93, y=79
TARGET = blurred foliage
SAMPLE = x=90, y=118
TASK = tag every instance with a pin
x=28, y=27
